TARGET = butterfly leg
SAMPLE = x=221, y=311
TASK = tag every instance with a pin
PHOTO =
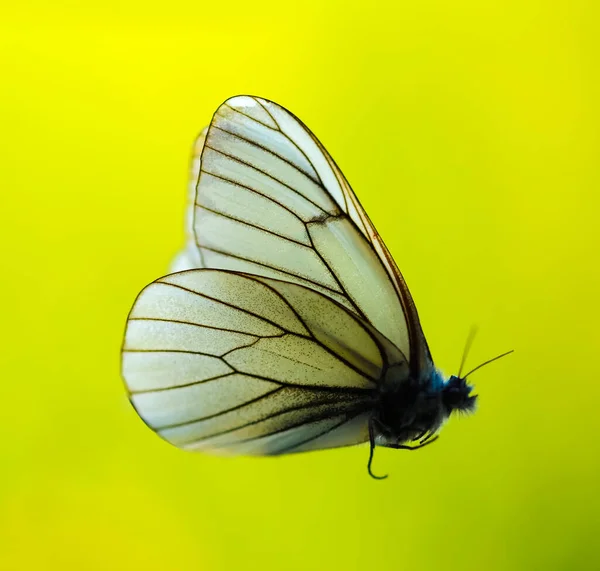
x=427, y=441
x=372, y=450
x=419, y=436
x=428, y=437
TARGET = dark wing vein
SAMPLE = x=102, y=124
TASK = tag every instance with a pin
x=277, y=269
x=320, y=182
x=297, y=425
x=330, y=161
x=335, y=277
x=191, y=384
x=208, y=417
x=167, y=351
x=323, y=346
x=271, y=152
x=254, y=167
x=261, y=228
x=248, y=116
x=231, y=305
x=346, y=390
x=251, y=189
x=183, y=322
x=315, y=436
x=306, y=406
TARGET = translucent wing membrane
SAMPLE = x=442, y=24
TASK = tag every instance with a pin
x=189, y=257
x=241, y=364
x=282, y=345
x=270, y=201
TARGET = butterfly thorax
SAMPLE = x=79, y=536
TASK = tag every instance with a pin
x=412, y=408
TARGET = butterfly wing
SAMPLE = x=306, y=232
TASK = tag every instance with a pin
x=271, y=201
x=189, y=257
x=240, y=364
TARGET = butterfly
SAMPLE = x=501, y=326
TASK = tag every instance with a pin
x=286, y=325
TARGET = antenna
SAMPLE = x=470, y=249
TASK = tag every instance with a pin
x=467, y=348
x=488, y=362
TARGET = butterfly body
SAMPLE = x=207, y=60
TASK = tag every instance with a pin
x=409, y=408
x=286, y=325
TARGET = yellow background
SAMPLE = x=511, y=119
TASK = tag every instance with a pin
x=468, y=129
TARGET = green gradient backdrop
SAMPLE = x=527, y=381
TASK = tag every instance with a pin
x=469, y=133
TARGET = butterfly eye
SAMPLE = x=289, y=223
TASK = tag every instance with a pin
x=456, y=395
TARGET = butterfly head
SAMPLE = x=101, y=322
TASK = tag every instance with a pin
x=456, y=395
x=456, y=392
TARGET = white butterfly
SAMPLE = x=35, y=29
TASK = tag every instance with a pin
x=291, y=328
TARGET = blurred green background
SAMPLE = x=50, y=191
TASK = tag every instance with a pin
x=470, y=132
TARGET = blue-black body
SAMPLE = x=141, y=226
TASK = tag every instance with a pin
x=412, y=409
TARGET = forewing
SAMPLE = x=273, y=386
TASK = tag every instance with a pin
x=418, y=350
x=238, y=364
x=271, y=201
